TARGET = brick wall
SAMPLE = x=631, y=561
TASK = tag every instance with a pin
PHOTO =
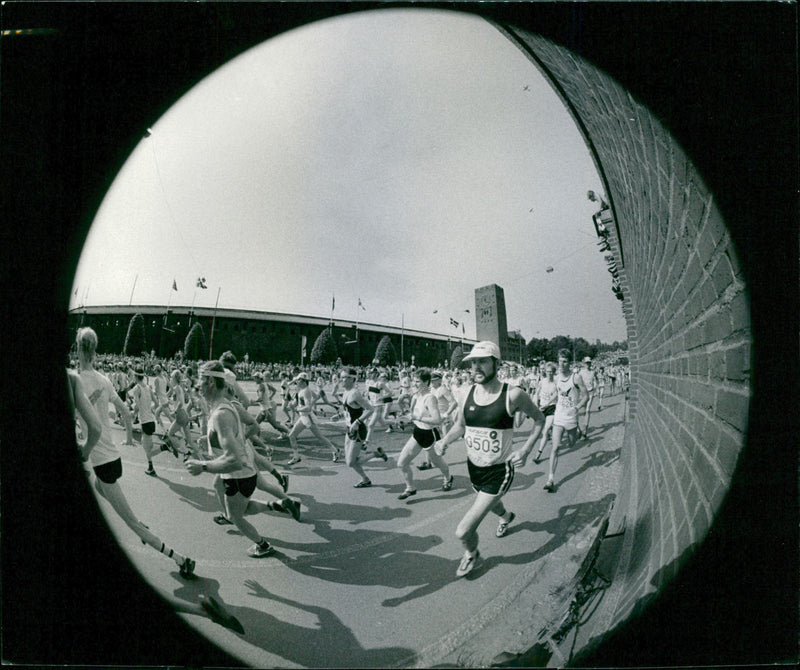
x=687, y=313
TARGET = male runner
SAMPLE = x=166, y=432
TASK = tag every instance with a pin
x=590, y=381
x=486, y=420
x=571, y=399
x=235, y=466
x=358, y=409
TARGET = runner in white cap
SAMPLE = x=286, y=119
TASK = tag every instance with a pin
x=486, y=420
x=590, y=381
x=571, y=398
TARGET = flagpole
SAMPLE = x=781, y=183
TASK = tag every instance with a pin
x=169, y=302
x=130, y=302
x=402, y=336
x=213, y=321
x=191, y=311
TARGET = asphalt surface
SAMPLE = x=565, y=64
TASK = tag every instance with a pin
x=367, y=580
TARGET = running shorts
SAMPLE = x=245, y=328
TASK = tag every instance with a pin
x=109, y=472
x=387, y=400
x=493, y=479
x=149, y=427
x=425, y=437
x=359, y=434
x=550, y=410
x=245, y=486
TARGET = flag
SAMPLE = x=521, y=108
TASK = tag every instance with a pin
x=333, y=302
x=201, y=282
x=436, y=311
x=174, y=285
x=453, y=322
x=361, y=305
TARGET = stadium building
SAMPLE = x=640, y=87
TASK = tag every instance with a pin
x=263, y=336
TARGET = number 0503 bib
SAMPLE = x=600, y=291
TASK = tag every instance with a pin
x=487, y=446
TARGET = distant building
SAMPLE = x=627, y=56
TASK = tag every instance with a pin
x=491, y=324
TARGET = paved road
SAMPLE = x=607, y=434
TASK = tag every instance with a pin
x=366, y=580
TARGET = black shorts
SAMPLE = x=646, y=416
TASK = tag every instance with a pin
x=550, y=410
x=123, y=394
x=149, y=427
x=425, y=437
x=245, y=486
x=360, y=433
x=386, y=401
x=492, y=479
x=110, y=472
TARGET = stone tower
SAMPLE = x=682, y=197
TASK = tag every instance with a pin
x=490, y=316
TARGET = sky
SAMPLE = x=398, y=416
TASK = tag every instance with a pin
x=400, y=157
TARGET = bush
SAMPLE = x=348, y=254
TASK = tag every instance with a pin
x=456, y=357
x=385, y=353
x=194, y=347
x=134, y=339
x=324, y=350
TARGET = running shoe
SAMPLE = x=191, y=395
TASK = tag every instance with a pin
x=218, y=614
x=402, y=425
x=283, y=480
x=380, y=453
x=169, y=447
x=294, y=459
x=468, y=563
x=538, y=457
x=448, y=484
x=407, y=494
x=363, y=485
x=151, y=472
x=186, y=569
x=424, y=466
x=502, y=527
x=292, y=507
x=222, y=520
x=261, y=549
x=389, y=429
x=336, y=456
x=550, y=487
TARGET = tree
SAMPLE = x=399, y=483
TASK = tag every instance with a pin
x=324, y=350
x=385, y=353
x=194, y=347
x=456, y=357
x=135, y=340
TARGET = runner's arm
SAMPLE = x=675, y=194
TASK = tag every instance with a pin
x=519, y=401
x=457, y=431
x=233, y=455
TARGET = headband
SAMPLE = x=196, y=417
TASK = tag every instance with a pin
x=212, y=373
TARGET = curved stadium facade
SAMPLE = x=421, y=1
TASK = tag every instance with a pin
x=263, y=336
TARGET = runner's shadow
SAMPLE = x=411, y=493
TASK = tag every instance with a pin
x=595, y=459
x=355, y=514
x=570, y=521
x=327, y=643
x=371, y=558
x=200, y=497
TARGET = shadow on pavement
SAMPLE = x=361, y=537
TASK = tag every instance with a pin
x=596, y=459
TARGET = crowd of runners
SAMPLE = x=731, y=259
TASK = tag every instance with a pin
x=201, y=415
